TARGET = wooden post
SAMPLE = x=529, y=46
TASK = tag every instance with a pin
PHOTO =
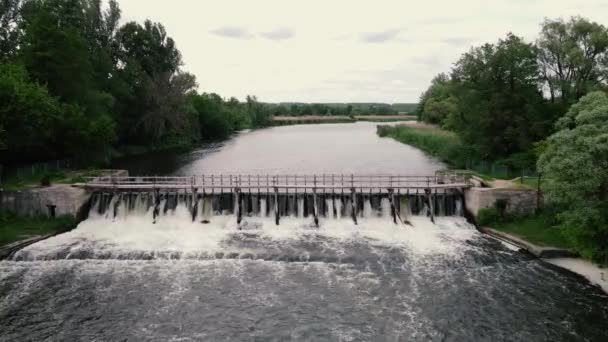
x=315, y=207
x=353, y=204
x=194, y=204
x=237, y=203
x=391, y=193
x=276, y=204
x=430, y=204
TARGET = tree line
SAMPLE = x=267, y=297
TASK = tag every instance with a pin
x=540, y=104
x=335, y=109
x=75, y=83
x=501, y=98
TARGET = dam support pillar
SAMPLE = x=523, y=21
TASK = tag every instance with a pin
x=353, y=205
x=276, y=205
x=391, y=196
x=315, y=207
x=237, y=205
x=429, y=200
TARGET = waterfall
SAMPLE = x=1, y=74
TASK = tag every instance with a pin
x=338, y=208
x=367, y=208
x=386, y=207
x=263, y=207
x=329, y=208
x=203, y=207
x=301, y=207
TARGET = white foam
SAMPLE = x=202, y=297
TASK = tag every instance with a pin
x=174, y=232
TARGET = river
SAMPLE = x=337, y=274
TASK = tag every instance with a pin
x=126, y=279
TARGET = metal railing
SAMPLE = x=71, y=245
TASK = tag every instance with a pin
x=302, y=183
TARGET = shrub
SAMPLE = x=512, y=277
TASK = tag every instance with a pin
x=45, y=180
x=488, y=216
x=501, y=207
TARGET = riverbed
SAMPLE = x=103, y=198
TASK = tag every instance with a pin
x=126, y=278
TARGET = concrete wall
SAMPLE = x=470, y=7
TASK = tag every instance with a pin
x=67, y=200
x=520, y=201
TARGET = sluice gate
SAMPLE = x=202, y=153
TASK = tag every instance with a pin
x=277, y=196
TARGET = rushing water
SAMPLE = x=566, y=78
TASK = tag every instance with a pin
x=125, y=279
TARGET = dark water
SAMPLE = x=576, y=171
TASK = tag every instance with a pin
x=127, y=279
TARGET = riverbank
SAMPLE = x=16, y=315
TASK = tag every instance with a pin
x=328, y=119
x=15, y=231
x=561, y=257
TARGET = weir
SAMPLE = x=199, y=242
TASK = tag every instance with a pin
x=277, y=196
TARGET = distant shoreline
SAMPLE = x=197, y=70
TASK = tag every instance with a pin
x=320, y=119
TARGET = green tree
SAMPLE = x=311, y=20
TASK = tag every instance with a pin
x=10, y=18
x=500, y=107
x=575, y=164
x=438, y=102
x=574, y=57
x=213, y=121
x=54, y=50
x=39, y=127
x=260, y=117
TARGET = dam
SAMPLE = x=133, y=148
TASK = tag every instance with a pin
x=124, y=274
x=330, y=196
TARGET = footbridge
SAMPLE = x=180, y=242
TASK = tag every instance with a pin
x=323, y=195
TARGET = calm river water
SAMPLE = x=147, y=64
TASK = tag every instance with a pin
x=126, y=279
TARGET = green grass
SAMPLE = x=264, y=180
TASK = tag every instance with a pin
x=436, y=142
x=55, y=177
x=539, y=230
x=14, y=228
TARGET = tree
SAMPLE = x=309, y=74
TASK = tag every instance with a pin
x=575, y=164
x=259, y=116
x=574, y=57
x=213, y=124
x=40, y=127
x=438, y=103
x=500, y=107
x=167, y=106
x=10, y=17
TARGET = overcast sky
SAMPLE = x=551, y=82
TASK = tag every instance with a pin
x=339, y=51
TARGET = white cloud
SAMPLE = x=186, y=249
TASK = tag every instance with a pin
x=279, y=34
x=232, y=32
x=231, y=45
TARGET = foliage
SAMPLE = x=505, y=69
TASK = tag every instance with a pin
x=501, y=108
x=438, y=102
x=488, y=216
x=540, y=229
x=503, y=99
x=38, y=125
x=10, y=17
x=574, y=57
x=438, y=143
x=575, y=163
x=76, y=84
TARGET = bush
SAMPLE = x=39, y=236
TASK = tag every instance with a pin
x=501, y=207
x=488, y=216
x=45, y=180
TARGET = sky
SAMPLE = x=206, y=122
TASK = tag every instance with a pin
x=339, y=50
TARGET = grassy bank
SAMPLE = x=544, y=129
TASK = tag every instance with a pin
x=14, y=228
x=540, y=230
x=436, y=142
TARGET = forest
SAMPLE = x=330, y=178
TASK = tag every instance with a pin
x=541, y=105
x=77, y=84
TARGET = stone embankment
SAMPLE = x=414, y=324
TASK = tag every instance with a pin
x=52, y=201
